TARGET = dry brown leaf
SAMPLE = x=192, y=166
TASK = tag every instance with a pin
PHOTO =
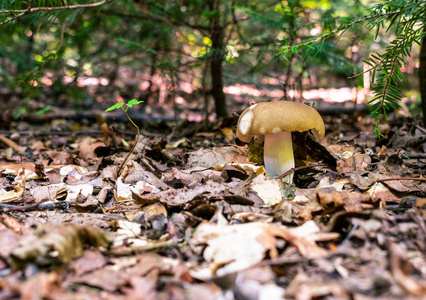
x=268, y=190
x=249, y=168
x=107, y=279
x=234, y=191
x=40, y=286
x=88, y=147
x=207, y=158
x=398, y=266
x=18, y=189
x=232, y=248
x=196, y=175
x=9, y=240
x=356, y=162
x=50, y=192
x=90, y=261
x=58, y=244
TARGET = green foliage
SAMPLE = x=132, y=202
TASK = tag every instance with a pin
x=114, y=107
x=402, y=18
x=133, y=102
x=129, y=104
x=118, y=105
x=43, y=110
x=407, y=20
x=173, y=40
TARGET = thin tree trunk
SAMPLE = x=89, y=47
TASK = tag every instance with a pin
x=153, y=70
x=217, y=36
x=422, y=78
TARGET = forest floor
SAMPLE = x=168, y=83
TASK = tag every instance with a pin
x=189, y=217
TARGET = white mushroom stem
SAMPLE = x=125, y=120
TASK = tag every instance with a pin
x=278, y=155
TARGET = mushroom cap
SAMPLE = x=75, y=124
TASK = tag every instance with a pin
x=272, y=117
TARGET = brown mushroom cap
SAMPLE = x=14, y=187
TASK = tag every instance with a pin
x=273, y=117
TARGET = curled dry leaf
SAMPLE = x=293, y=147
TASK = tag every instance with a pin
x=250, y=169
x=11, y=195
x=130, y=192
x=17, y=190
x=51, y=192
x=136, y=183
x=88, y=149
x=74, y=191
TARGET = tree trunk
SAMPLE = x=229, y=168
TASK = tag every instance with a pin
x=216, y=58
x=422, y=78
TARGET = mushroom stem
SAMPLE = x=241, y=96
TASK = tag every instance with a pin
x=278, y=155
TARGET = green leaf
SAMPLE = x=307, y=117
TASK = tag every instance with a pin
x=114, y=107
x=125, y=144
x=43, y=110
x=133, y=102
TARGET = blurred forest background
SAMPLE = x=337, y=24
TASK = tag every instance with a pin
x=193, y=59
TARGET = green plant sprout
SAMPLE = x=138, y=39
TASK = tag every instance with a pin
x=129, y=104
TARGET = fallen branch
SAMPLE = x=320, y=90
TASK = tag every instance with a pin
x=38, y=206
x=9, y=143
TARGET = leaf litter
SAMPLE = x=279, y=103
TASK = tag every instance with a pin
x=190, y=217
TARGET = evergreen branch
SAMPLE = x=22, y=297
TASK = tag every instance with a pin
x=387, y=82
x=345, y=27
x=147, y=15
x=407, y=19
x=12, y=18
x=65, y=7
x=387, y=55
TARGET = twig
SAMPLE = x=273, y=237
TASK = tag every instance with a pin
x=134, y=145
x=65, y=7
x=383, y=59
x=301, y=168
x=38, y=206
x=164, y=244
x=22, y=12
x=345, y=27
x=408, y=155
x=401, y=178
x=11, y=19
x=10, y=143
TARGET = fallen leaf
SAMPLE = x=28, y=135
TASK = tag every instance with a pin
x=88, y=149
x=58, y=244
x=232, y=248
x=355, y=162
x=90, y=261
x=268, y=190
x=107, y=279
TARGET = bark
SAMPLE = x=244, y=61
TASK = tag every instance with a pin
x=217, y=36
x=153, y=70
x=422, y=79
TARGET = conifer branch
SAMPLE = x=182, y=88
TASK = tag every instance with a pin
x=54, y=8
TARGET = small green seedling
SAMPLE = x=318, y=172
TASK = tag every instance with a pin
x=129, y=104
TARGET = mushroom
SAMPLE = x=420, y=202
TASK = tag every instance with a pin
x=275, y=121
